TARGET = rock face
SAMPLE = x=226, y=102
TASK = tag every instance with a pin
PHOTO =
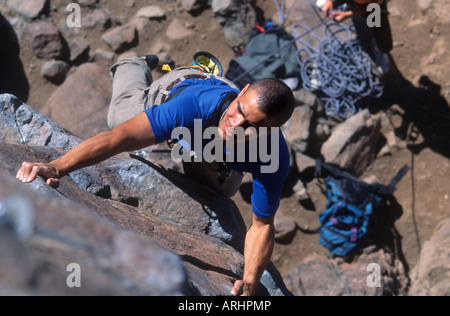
x=141, y=223
x=24, y=125
x=112, y=261
x=338, y=278
x=432, y=274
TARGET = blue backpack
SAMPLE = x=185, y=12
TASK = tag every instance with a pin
x=351, y=204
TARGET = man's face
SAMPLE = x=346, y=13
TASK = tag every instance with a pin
x=243, y=112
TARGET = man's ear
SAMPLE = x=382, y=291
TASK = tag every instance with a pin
x=244, y=90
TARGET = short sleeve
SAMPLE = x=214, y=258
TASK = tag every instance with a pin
x=268, y=187
x=168, y=116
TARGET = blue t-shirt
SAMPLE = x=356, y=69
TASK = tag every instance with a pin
x=201, y=100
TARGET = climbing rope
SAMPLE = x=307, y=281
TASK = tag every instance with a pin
x=337, y=69
x=281, y=10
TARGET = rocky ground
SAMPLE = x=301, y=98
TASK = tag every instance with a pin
x=412, y=128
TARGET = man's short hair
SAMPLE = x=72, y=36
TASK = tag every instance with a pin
x=275, y=99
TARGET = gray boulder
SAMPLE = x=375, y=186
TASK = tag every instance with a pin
x=194, y=6
x=102, y=19
x=297, y=129
x=55, y=71
x=238, y=18
x=320, y=276
x=46, y=41
x=121, y=38
x=352, y=145
x=432, y=274
x=30, y=9
x=87, y=3
x=79, y=50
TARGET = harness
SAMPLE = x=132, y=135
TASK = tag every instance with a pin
x=158, y=93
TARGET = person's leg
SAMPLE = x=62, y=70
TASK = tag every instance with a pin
x=131, y=78
x=376, y=41
x=383, y=34
x=364, y=34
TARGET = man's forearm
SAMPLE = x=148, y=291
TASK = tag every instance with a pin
x=134, y=134
x=259, y=245
x=88, y=153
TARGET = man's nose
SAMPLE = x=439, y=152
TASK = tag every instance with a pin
x=237, y=121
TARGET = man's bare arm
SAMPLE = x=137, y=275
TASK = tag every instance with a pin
x=259, y=244
x=132, y=135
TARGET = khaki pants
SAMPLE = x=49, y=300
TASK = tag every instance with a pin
x=131, y=81
x=134, y=92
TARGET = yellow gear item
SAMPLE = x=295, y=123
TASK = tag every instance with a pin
x=203, y=61
x=208, y=63
x=167, y=68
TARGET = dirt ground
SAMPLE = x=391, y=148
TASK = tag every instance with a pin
x=420, y=45
x=423, y=195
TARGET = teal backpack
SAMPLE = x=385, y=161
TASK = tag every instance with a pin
x=351, y=205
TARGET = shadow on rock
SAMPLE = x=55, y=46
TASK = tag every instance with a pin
x=216, y=208
x=386, y=232
x=12, y=75
x=425, y=108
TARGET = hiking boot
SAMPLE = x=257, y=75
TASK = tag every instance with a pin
x=152, y=61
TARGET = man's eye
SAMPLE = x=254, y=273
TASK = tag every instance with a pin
x=240, y=110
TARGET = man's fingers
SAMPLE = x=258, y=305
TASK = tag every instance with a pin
x=20, y=172
x=33, y=174
x=54, y=183
x=238, y=288
x=24, y=172
x=28, y=171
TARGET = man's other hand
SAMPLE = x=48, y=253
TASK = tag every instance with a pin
x=242, y=288
x=327, y=7
x=340, y=16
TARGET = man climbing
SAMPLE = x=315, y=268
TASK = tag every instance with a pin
x=142, y=114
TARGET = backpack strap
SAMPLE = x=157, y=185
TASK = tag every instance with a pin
x=336, y=172
x=159, y=90
x=225, y=104
x=399, y=177
x=374, y=187
x=223, y=170
x=391, y=188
